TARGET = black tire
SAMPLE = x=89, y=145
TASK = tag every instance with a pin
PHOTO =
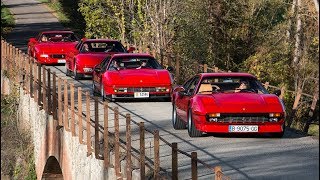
x=68, y=72
x=77, y=76
x=167, y=99
x=280, y=134
x=94, y=89
x=192, y=131
x=177, y=123
x=29, y=51
x=102, y=93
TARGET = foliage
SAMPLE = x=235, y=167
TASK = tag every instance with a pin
x=68, y=14
x=7, y=21
x=99, y=18
x=259, y=37
x=16, y=149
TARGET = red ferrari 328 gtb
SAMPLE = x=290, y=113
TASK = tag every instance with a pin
x=227, y=103
x=90, y=52
x=131, y=75
x=50, y=47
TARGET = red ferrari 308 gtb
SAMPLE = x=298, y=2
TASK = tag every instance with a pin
x=50, y=47
x=131, y=75
x=227, y=103
x=90, y=52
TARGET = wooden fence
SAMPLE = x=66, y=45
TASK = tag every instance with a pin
x=72, y=108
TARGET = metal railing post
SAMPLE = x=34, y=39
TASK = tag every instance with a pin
x=117, y=142
x=194, y=168
x=80, y=125
x=156, y=155
x=128, y=146
x=96, y=127
x=142, y=151
x=106, y=136
x=174, y=161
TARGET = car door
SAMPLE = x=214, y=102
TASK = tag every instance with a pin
x=182, y=101
x=98, y=74
x=70, y=56
x=31, y=45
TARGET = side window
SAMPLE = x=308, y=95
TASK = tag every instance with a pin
x=86, y=47
x=104, y=63
x=191, y=84
x=38, y=37
x=79, y=45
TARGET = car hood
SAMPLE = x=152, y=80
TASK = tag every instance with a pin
x=139, y=77
x=57, y=47
x=242, y=103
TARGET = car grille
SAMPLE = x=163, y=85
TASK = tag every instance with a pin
x=141, y=89
x=244, y=118
x=57, y=56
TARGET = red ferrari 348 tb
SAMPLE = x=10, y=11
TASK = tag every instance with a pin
x=50, y=47
x=131, y=75
x=90, y=52
x=227, y=103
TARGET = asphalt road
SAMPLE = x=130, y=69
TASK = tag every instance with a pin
x=294, y=156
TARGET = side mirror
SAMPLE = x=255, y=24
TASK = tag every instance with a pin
x=170, y=69
x=32, y=40
x=97, y=69
x=182, y=93
x=131, y=49
x=277, y=92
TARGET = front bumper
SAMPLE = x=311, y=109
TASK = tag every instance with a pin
x=224, y=127
x=131, y=96
x=51, y=59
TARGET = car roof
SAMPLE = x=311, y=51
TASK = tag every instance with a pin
x=62, y=31
x=132, y=55
x=228, y=74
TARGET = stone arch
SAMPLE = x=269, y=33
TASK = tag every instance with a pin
x=52, y=169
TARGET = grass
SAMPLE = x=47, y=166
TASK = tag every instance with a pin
x=314, y=130
x=7, y=21
x=17, y=159
x=68, y=15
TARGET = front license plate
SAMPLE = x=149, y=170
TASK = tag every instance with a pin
x=243, y=128
x=61, y=61
x=141, y=94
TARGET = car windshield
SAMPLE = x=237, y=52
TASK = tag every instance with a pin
x=233, y=85
x=110, y=46
x=58, y=37
x=135, y=63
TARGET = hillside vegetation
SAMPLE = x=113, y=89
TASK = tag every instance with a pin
x=276, y=40
x=7, y=21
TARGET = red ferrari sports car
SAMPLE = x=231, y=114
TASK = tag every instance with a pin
x=131, y=75
x=227, y=103
x=90, y=52
x=50, y=47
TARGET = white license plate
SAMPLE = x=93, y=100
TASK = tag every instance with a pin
x=61, y=61
x=87, y=70
x=243, y=128
x=141, y=94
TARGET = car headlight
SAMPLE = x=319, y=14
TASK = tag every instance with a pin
x=213, y=117
x=120, y=90
x=44, y=55
x=162, y=89
x=274, y=117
